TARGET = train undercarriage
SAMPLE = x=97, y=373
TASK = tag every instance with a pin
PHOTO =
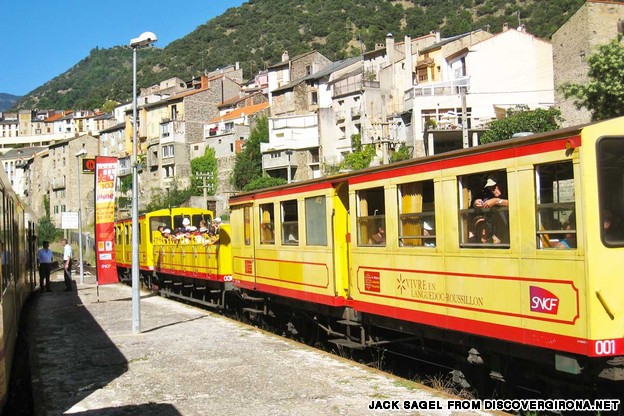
x=488, y=368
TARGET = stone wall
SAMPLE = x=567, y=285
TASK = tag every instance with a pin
x=595, y=23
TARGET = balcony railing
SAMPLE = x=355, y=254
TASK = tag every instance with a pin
x=455, y=86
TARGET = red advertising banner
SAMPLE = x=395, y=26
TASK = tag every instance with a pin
x=105, y=177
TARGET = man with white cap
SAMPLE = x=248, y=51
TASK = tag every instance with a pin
x=496, y=196
x=498, y=219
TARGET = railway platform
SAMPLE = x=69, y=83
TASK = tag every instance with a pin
x=85, y=360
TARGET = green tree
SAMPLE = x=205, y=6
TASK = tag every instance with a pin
x=360, y=158
x=521, y=119
x=248, y=163
x=205, y=164
x=264, y=182
x=109, y=106
x=174, y=197
x=603, y=95
x=403, y=153
x=46, y=230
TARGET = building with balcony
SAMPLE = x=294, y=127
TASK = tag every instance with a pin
x=464, y=82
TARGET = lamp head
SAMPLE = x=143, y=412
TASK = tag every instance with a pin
x=144, y=39
x=82, y=152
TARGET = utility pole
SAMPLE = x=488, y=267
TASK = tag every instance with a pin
x=464, y=118
x=206, y=186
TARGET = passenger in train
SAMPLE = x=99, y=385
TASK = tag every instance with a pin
x=494, y=195
x=481, y=232
x=499, y=219
x=166, y=233
x=569, y=241
x=379, y=237
x=428, y=231
x=203, y=227
x=186, y=224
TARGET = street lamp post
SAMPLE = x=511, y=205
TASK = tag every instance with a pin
x=145, y=39
x=79, y=155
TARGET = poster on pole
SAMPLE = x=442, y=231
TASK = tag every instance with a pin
x=105, y=178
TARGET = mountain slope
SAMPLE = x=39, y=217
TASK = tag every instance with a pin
x=256, y=33
x=7, y=101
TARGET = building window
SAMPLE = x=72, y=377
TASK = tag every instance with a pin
x=168, y=151
x=371, y=217
x=314, y=98
x=416, y=214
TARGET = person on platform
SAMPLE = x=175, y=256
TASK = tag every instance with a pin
x=44, y=263
x=68, y=255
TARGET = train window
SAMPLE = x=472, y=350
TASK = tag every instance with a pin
x=416, y=214
x=611, y=190
x=371, y=217
x=484, y=210
x=197, y=218
x=316, y=221
x=156, y=222
x=290, y=223
x=556, y=219
x=267, y=224
x=247, y=224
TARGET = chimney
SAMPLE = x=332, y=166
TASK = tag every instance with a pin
x=390, y=47
x=285, y=56
x=505, y=27
x=203, y=82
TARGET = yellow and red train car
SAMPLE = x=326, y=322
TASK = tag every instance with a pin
x=505, y=254
x=192, y=263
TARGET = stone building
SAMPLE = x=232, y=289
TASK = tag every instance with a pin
x=597, y=22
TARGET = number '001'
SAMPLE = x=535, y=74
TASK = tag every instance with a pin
x=606, y=347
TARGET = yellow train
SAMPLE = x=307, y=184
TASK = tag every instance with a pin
x=189, y=262
x=18, y=252
x=502, y=255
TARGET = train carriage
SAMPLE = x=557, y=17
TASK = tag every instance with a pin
x=507, y=253
x=18, y=250
x=189, y=265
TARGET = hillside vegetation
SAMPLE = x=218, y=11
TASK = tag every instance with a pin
x=256, y=33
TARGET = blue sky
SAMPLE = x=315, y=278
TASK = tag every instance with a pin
x=41, y=39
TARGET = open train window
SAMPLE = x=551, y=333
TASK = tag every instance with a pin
x=416, y=214
x=556, y=218
x=290, y=223
x=484, y=210
x=163, y=221
x=267, y=224
x=610, y=154
x=371, y=217
x=316, y=221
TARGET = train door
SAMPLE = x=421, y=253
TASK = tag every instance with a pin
x=341, y=235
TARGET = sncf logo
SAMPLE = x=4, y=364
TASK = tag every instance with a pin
x=543, y=301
